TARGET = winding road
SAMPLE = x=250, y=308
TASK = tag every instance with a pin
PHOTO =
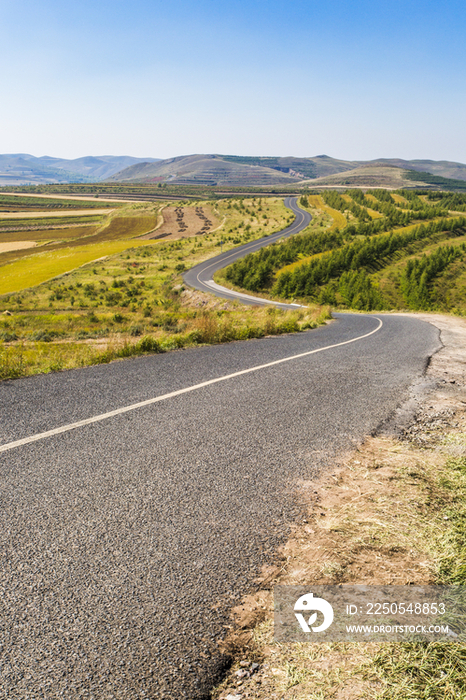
x=201, y=276
x=140, y=499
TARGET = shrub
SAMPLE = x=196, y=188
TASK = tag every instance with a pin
x=8, y=337
x=43, y=336
x=148, y=344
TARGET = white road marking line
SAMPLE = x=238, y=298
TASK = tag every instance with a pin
x=172, y=394
x=238, y=295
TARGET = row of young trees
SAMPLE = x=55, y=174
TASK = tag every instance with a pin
x=417, y=278
x=256, y=271
x=334, y=200
x=393, y=215
x=369, y=254
x=353, y=289
x=449, y=200
x=342, y=261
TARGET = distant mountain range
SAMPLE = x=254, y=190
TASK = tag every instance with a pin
x=234, y=171
x=24, y=169
x=249, y=171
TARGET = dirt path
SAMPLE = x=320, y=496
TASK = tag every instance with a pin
x=52, y=214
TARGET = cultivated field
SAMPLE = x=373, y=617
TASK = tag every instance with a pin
x=116, y=292
x=184, y=222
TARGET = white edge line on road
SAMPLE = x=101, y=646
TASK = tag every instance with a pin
x=172, y=394
x=273, y=237
x=217, y=287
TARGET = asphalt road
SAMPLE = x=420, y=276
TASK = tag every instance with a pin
x=200, y=276
x=124, y=542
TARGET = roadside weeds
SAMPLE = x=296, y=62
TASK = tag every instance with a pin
x=206, y=326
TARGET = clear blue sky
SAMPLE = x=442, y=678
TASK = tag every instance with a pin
x=355, y=79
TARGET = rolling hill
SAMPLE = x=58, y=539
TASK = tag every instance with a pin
x=215, y=170
x=370, y=175
x=24, y=169
x=206, y=170
x=262, y=171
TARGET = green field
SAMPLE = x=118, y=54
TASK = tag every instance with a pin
x=44, y=222
x=35, y=269
x=23, y=203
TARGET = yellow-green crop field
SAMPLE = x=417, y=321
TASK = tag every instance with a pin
x=35, y=269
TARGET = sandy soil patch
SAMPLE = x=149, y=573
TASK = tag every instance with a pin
x=184, y=222
x=16, y=245
x=51, y=214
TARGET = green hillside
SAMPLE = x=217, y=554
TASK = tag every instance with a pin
x=403, y=250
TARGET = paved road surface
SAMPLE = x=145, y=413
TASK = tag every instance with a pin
x=200, y=276
x=124, y=542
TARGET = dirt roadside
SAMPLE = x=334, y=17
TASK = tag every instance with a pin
x=372, y=520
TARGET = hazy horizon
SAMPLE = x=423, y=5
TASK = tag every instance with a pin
x=244, y=155
x=356, y=80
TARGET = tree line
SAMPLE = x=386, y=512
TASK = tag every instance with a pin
x=257, y=271
x=369, y=254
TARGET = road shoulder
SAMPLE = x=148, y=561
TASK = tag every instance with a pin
x=386, y=514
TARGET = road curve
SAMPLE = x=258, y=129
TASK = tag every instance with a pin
x=200, y=276
x=124, y=541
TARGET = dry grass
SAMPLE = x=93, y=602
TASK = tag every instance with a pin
x=332, y=219
x=19, y=245
x=204, y=326
x=376, y=520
